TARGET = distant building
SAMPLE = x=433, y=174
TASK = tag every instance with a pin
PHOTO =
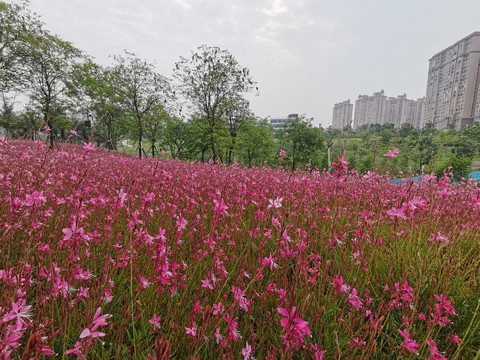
x=342, y=115
x=397, y=109
x=453, y=85
x=380, y=109
x=370, y=109
x=280, y=123
x=415, y=112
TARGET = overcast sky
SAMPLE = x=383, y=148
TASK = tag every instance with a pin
x=305, y=55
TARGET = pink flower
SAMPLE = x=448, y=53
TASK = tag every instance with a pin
x=438, y=237
x=191, y=331
x=218, y=308
x=155, y=322
x=396, y=212
x=247, y=352
x=354, y=300
x=454, y=338
x=98, y=320
x=341, y=166
x=434, y=353
x=87, y=333
x=277, y=203
x=47, y=350
x=294, y=327
x=319, y=354
x=233, y=333
x=19, y=312
x=340, y=286
x=409, y=344
x=391, y=153
x=88, y=147
x=181, y=223
x=36, y=198
x=270, y=261
x=77, y=350
x=144, y=282
x=206, y=284
x=220, y=207
x=218, y=336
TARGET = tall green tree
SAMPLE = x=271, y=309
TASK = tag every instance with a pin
x=139, y=89
x=92, y=87
x=208, y=79
x=49, y=66
x=17, y=27
x=236, y=113
x=155, y=123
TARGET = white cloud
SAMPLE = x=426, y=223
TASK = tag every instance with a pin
x=184, y=4
x=275, y=8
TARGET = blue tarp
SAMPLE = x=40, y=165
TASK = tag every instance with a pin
x=474, y=174
x=401, y=181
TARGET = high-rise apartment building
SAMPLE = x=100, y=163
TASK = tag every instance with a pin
x=415, y=110
x=342, y=115
x=453, y=85
x=380, y=109
x=370, y=109
x=397, y=110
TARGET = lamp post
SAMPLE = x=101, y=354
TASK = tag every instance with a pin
x=88, y=125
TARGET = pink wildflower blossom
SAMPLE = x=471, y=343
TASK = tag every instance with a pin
x=247, y=352
x=391, y=153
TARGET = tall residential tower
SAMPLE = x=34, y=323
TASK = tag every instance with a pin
x=370, y=109
x=342, y=115
x=453, y=85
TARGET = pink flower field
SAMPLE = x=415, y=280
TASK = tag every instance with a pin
x=105, y=256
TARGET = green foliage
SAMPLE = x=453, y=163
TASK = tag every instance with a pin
x=420, y=151
x=212, y=80
x=179, y=139
x=18, y=27
x=141, y=93
x=256, y=142
x=464, y=147
x=459, y=166
x=366, y=164
x=304, y=143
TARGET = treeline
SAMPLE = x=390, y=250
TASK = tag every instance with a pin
x=199, y=112
x=419, y=151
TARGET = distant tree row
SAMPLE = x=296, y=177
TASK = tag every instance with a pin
x=420, y=150
x=200, y=113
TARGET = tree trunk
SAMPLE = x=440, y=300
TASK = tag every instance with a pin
x=329, y=161
x=140, y=137
x=212, y=145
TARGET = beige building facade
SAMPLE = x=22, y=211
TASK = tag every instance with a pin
x=380, y=109
x=453, y=85
x=342, y=115
x=370, y=109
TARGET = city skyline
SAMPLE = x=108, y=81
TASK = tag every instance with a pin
x=305, y=55
x=452, y=94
